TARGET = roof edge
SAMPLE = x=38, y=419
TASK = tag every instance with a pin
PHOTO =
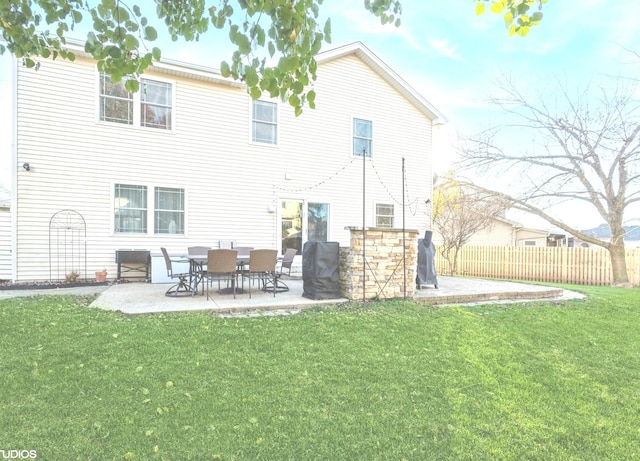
x=360, y=50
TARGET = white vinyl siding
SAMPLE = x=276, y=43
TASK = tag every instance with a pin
x=5, y=244
x=232, y=187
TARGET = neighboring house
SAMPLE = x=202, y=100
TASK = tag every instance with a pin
x=191, y=160
x=504, y=232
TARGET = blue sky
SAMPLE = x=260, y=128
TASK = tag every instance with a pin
x=453, y=58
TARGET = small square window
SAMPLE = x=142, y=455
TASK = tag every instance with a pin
x=384, y=215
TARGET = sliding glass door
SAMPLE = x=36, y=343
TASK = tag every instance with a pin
x=302, y=221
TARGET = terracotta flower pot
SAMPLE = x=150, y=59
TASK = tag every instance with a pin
x=101, y=276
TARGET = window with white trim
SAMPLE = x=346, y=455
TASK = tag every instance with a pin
x=384, y=215
x=116, y=103
x=169, y=211
x=150, y=107
x=362, y=137
x=134, y=215
x=130, y=203
x=264, y=122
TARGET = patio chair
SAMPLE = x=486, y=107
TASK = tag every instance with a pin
x=262, y=268
x=183, y=287
x=221, y=266
x=197, y=250
x=285, y=265
x=243, y=258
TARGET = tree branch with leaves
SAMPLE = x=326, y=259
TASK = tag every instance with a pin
x=275, y=40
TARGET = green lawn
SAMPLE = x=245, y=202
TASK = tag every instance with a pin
x=388, y=381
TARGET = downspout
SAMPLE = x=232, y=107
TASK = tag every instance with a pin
x=14, y=169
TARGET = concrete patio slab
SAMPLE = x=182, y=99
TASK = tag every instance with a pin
x=145, y=298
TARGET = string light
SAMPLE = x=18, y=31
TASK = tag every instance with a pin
x=415, y=201
x=412, y=204
x=318, y=184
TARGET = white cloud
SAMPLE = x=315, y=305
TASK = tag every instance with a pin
x=443, y=47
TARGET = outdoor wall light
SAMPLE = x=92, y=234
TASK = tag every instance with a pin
x=26, y=166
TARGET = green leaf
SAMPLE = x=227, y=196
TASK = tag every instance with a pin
x=251, y=77
x=131, y=42
x=150, y=33
x=114, y=51
x=327, y=31
x=156, y=53
x=225, y=70
x=255, y=93
x=132, y=85
x=289, y=63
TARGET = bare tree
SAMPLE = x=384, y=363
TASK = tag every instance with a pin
x=585, y=149
x=459, y=212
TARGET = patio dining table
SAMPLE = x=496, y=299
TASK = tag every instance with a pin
x=197, y=270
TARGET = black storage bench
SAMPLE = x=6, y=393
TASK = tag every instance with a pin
x=136, y=264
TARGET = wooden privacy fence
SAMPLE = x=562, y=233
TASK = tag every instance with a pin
x=581, y=266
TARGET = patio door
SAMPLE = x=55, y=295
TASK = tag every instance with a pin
x=302, y=221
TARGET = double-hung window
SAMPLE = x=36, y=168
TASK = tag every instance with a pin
x=362, y=137
x=155, y=104
x=116, y=103
x=130, y=213
x=151, y=107
x=169, y=211
x=264, y=122
x=384, y=215
x=139, y=208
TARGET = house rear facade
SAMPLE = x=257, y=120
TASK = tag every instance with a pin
x=191, y=159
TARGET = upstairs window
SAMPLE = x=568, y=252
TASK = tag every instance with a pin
x=384, y=215
x=116, y=103
x=264, y=122
x=362, y=137
x=155, y=104
x=151, y=107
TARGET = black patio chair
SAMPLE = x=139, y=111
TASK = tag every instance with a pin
x=285, y=265
x=183, y=287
